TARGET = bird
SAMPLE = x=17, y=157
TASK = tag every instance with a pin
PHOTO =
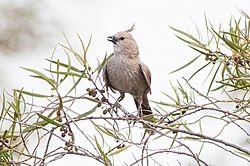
x=126, y=73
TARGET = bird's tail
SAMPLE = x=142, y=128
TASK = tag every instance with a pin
x=146, y=109
x=146, y=113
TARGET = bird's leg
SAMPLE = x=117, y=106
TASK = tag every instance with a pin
x=120, y=98
x=139, y=102
x=122, y=95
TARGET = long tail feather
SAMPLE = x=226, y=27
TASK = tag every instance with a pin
x=146, y=109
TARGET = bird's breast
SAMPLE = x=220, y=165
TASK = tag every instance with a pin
x=125, y=75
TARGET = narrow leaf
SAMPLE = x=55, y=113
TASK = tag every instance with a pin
x=212, y=81
x=203, y=67
x=65, y=65
x=184, y=66
x=105, y=158
x=87, y=113
x=3, y=107
x=77, y=55
x=42, y=76
x=186, y=34
x=51, y=121
x=31, y=93
x=65, y=73
x=77, y=82
x=119, y=150
x=105, y=60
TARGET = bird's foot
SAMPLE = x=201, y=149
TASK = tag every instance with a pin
x=139, y=113
x=117, y=105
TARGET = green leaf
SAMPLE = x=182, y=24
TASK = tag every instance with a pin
x=105, y=158
x=184, y=66
x=42, y=76
x=232, y=45
x=65, y=73
x=77, y=82
x=219, y=87
x=192, y=138
x=182, y=90
x=38, y=124
x=77, y=55
x=228, y=84
x=65, y=65
x=170, y=97
x=86, y=113
x=119, y=150
x=91, y=99
x=212, y=81
x=202, y=52
x=105, y=60
x=51, y=121
x=167, y=104
x=35, y=126
x=187, y=35
x=31, y=93
x=203, y=67
x=104, y=130
x=90, y=39
x=3, y=107
x=85, y=50
x=17, y=112
x=68, y=69
x=178, y=102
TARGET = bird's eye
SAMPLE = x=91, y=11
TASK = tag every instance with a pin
x=122, y=38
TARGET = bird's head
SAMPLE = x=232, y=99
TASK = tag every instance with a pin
x=124, y=44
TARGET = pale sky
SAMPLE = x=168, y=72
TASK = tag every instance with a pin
x=159, y=48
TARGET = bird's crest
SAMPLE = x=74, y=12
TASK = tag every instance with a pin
x=131, y=29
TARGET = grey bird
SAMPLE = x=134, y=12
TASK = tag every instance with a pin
x=124, y=72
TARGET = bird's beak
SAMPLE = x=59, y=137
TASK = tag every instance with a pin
x=113, y=39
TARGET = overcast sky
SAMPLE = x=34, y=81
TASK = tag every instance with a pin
x=158, y=46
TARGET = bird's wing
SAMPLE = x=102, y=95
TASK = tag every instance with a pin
x=147, y=75
x=106, y=79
